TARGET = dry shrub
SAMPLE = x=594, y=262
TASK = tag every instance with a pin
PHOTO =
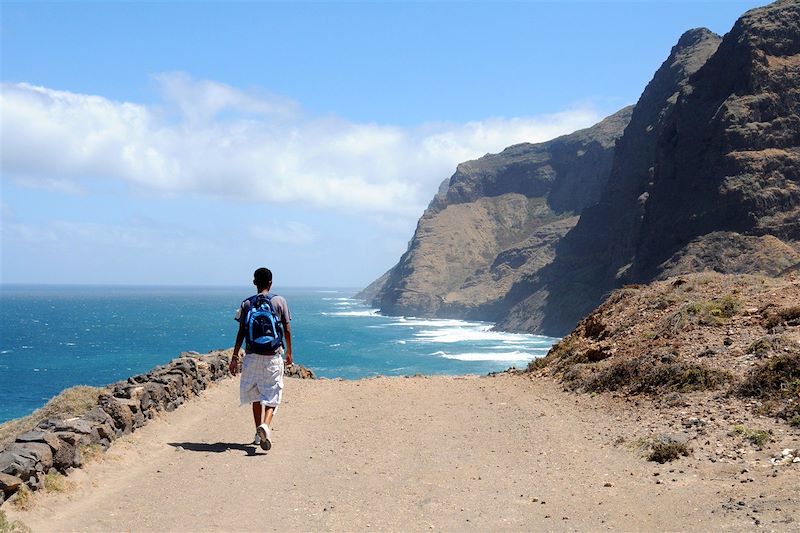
x=649, y=375
x=772, y=377
x=23, y=498
x=561, y=356
x=776, y=382
x=56, y=482
x=662, y=452
x=758, y=437
x=714, y=312
x=780, y=316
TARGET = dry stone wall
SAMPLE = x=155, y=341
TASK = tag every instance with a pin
x=58, y=445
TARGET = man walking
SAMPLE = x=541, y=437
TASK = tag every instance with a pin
x=264, y=325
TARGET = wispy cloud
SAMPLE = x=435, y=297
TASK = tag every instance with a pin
x=283, y=233
x=213, y=139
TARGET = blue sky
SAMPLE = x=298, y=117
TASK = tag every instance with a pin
x=189, y=142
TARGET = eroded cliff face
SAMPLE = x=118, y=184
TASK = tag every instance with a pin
x=496, y=220
x=705, y=178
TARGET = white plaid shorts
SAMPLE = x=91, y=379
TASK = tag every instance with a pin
x=262, y=379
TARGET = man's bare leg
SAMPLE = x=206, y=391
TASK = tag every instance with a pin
x=268, y=412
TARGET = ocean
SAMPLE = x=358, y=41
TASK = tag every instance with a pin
x=52, y=338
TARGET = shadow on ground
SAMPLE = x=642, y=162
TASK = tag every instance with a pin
x=216, y=447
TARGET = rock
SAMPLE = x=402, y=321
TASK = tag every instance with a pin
x=64, y=457
x=298, y=371
x=17, y=464
x=9, y=484
x=119, y=411
x=39, y=451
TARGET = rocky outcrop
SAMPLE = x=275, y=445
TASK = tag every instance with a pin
x=496, y=220
x=706, y=177
x=738, y=335
x=58, y=445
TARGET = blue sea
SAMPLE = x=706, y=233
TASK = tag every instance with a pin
x=52, y=338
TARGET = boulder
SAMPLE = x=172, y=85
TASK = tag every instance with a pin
x=64, y=457
x=17, y=464
x=39, y=451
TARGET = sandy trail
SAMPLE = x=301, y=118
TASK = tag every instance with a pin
x=443, y=453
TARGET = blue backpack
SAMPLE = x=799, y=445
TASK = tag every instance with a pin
x=263, y=325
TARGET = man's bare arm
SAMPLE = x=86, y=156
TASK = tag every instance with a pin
x=234, y=365
x=288, y=334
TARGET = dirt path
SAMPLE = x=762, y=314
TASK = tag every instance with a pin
x=503, y=453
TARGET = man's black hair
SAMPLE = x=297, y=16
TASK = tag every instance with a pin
x=262, y=277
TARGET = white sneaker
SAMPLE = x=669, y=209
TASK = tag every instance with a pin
x=265, y=437
x=257, y=439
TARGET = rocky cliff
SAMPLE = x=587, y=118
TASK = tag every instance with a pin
x=495, y=220
x=706, y=177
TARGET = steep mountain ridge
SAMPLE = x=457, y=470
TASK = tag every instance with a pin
x=711, y=181
x=496, y=219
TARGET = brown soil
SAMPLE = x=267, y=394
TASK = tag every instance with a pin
x=510, y=452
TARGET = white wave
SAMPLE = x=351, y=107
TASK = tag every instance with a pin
x=70, y=344
x=438, y=323
x=469, y=334
x=400, y=342
x=7, y=351
x=488, y=356
x=368, y=312
x=334, y=345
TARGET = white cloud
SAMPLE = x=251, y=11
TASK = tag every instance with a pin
x=213, y=139
x=67, y=235
x=283, y=233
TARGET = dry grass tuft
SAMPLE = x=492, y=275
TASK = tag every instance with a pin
x=91, y=452
x=23, y=498
x=16, y=526
x=56, y=482
x=74, y=401
x=758, y=437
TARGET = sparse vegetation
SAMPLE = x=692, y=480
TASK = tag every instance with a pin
x=23, y=498
x=787, y=314
x=772, y=377
x=55, y=482
x=777, y=382
x=561, y=356
x=74, y=401
x=91, y=452
x=795, y=422
x=662, y=452
x=16, y=526
x=758, y=437
x=714, y=312
x=648, y=375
